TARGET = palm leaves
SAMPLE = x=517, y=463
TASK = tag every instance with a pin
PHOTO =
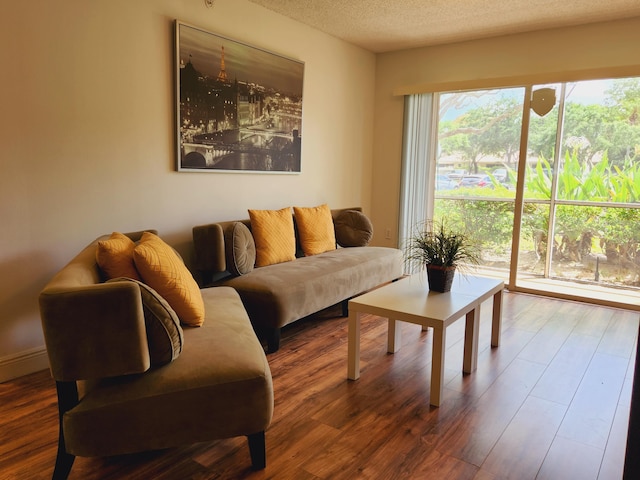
x=583, y=183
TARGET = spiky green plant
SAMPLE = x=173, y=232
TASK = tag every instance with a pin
x=433, y=243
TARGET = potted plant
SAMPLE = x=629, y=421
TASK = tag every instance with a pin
x=441, y=250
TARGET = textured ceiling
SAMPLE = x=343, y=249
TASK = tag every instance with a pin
x=388, y=25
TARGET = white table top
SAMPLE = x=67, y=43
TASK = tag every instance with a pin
x=410, y=299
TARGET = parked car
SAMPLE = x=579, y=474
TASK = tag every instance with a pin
x=500, y=174
x=475, y=181
x=456, y=175
x=443, y=182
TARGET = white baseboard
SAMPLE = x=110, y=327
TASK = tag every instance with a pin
x=23, y=363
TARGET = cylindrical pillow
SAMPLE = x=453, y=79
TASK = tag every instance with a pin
x=353, y=229
x=240, y=249
x=164, y=333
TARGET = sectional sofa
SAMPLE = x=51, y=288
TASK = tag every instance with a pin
x=327, y=260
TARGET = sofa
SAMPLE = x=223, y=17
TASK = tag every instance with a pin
x=132, y=377
x=283, y=292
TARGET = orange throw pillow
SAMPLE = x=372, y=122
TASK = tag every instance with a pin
x=115, y=257
x=315, y=226
x=274, y=236
x=162, y=269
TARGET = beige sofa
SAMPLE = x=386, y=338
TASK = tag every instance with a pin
x=112, y=401
x=279, y=294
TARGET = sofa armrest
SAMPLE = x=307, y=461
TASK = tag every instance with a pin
x=208, y=242
x=94, y=331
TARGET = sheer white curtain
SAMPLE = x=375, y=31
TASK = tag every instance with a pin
x=415, y=201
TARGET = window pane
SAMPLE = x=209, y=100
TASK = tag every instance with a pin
x=541, y=149
x=601, y=142
x=597, y=245
x=489, y=222
x=478, y=149
x=478, y=143
x=533, y=239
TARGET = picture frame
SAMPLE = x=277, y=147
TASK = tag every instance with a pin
x=238, y=107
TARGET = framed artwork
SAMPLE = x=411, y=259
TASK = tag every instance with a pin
x=239, y=108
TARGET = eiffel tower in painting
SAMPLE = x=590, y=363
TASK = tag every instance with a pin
x=222, y=76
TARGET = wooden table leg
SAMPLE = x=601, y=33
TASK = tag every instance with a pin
x=470, y=362
x=353, y=357
x=437, y=365
x=394, y=336
x=496, y=325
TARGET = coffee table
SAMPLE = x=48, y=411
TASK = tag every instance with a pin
x=409, y=300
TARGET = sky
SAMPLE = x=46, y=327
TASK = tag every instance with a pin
x=589, y=92
x=242, y=62
x=585, y=92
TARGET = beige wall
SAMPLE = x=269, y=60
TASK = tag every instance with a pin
x=591, y=51
x=87, y=137
x=87, y=127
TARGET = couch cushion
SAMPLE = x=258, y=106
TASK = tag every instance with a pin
x=164, y=334
x=274, y=236
x=114, y=256
x=280, y=294
x=162, y=269
x=315, y=226
x=240, y=249
x=353, y=229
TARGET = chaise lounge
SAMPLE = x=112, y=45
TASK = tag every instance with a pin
x=131, y=379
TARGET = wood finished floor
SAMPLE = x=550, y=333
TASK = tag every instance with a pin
x=552, y=402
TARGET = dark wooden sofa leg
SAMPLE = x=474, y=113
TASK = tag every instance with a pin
x=257, y=450
x=345, y=308
x=64, y=462
x=67, y=399
x=273, y=340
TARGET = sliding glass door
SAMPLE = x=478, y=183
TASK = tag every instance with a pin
x=476, y=167
x=594, y=183
x=572, y=198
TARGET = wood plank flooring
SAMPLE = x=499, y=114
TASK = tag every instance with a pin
x=552, y=402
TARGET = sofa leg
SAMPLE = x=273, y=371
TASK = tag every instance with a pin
x=64, y=462
x=273, y=340
x=257, y=450
x=345, y=308
x=67, y=399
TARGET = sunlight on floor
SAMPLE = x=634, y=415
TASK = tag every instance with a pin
x=598, y=294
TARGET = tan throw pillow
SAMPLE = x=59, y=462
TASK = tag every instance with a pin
x=353, y=229
x=240, y=249
x=164, y=334
x=274, y=236
x=315, y=226
x=161, y=269
x=115, y=257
